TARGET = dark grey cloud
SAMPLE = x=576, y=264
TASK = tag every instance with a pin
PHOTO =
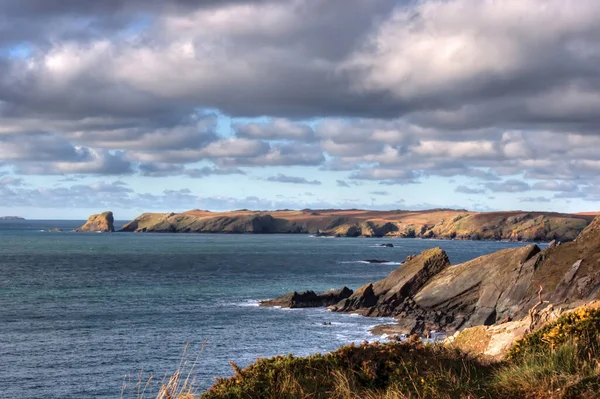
x=158, y=169
x=469, y=190
x=535, y=199
x=349, y=58
x=508, y=186
x=277, y=129
x=342, y=183
x=167, y=169
x=387, y=176
x=47, y=20
x=280, y=155
x=121, y=86
x=198, y=173
x=382, y=193
x=281, y=178
x=88, y=162
x=564, y=186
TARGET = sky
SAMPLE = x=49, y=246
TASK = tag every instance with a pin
x=158, y=106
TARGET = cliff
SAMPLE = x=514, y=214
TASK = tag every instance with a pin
x=11, y=218
x=427, y=293
x=437, y=223
x=102, y=222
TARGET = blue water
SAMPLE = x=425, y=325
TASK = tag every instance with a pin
x=82, y=312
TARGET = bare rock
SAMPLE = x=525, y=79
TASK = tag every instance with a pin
x=103, y=222
x=309, y=299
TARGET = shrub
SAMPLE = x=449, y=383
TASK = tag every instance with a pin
x=394, y=370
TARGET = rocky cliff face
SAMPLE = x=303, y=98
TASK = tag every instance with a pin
x=182, y=223
x=446, y=224
x=426, y=293
x=102, y=222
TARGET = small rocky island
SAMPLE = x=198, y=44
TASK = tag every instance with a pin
x=13, y=218
x=100, y=223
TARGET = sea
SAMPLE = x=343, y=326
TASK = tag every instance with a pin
x=91, y=315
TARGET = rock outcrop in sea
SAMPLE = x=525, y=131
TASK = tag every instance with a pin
x=426, y=293
x=103, y=222
x=309, y=299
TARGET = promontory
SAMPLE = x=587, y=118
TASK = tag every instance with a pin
x=435, y=223
x=427, y=293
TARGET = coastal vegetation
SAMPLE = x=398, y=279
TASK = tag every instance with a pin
x=559, y=360
x=435, y=223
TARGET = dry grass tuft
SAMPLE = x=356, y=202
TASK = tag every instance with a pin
x=179, y=385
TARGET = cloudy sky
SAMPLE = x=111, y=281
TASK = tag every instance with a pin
x=152, y=105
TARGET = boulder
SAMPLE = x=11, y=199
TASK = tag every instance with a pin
x=103, y=222
x=363, y=298
x=387, y=245
x=391, y=296
x=478, y=292
x=309, y=299
x=375, y=261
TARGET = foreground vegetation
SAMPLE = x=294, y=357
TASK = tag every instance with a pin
x=560, y=360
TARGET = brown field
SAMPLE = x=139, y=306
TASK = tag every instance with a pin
x=407, y=217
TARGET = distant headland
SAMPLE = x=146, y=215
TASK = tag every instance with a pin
x=11, y=218
x=456, y=224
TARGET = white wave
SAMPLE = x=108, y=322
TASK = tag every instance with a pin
x=370, y=263
x=249, y=303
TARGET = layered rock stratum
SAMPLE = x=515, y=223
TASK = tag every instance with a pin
x=437, y=223
x=103, y=222
x=427, y=293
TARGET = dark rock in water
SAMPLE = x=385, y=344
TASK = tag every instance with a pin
x=309, y=299
x=387, y=245
x=331, y=297
x=364, y=297
x=376, y=261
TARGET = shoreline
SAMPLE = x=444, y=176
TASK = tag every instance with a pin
x=312, y=235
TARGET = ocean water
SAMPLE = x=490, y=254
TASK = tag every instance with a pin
x=83, y=313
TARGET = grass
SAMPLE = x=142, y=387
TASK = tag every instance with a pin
x=560, y=360
x=179, y=385
x=391, y=370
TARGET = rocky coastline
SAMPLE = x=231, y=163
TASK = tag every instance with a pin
x=428, y=293
x=432, y=224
